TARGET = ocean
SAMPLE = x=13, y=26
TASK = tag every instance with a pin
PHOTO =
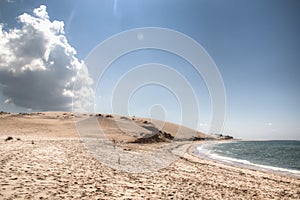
x=279, y=156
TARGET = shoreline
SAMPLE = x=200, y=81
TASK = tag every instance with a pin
x=245, y=164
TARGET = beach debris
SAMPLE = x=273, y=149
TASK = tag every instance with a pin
x=114, y=143
x=8, y=138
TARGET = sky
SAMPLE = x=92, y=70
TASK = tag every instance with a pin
x=254, y=44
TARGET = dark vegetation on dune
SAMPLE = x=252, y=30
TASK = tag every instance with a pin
x=223, y=137
x=4, y=113
x=160, y=136
x=155, y=136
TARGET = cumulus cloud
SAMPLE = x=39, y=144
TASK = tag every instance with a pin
x=38, y=67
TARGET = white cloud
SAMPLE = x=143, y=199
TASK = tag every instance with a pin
x=38, y=67
x=41, y=12
x=268, y=124
x=7, y=101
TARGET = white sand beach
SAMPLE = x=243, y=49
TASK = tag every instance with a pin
x=45, y=159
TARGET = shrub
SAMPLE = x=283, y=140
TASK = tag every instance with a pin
x=125, y=118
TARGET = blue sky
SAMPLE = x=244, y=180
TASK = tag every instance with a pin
x=255, y=45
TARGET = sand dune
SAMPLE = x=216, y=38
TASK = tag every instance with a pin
x=50, y=162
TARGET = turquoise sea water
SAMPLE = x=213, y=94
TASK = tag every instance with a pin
x=273, y=155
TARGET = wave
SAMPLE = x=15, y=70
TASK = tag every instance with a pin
x=247, y=162
x=204, y=151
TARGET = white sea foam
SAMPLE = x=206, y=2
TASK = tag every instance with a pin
x=205, y=151
x=246, y=162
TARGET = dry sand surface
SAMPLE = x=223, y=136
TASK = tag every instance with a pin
x=48, y=161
